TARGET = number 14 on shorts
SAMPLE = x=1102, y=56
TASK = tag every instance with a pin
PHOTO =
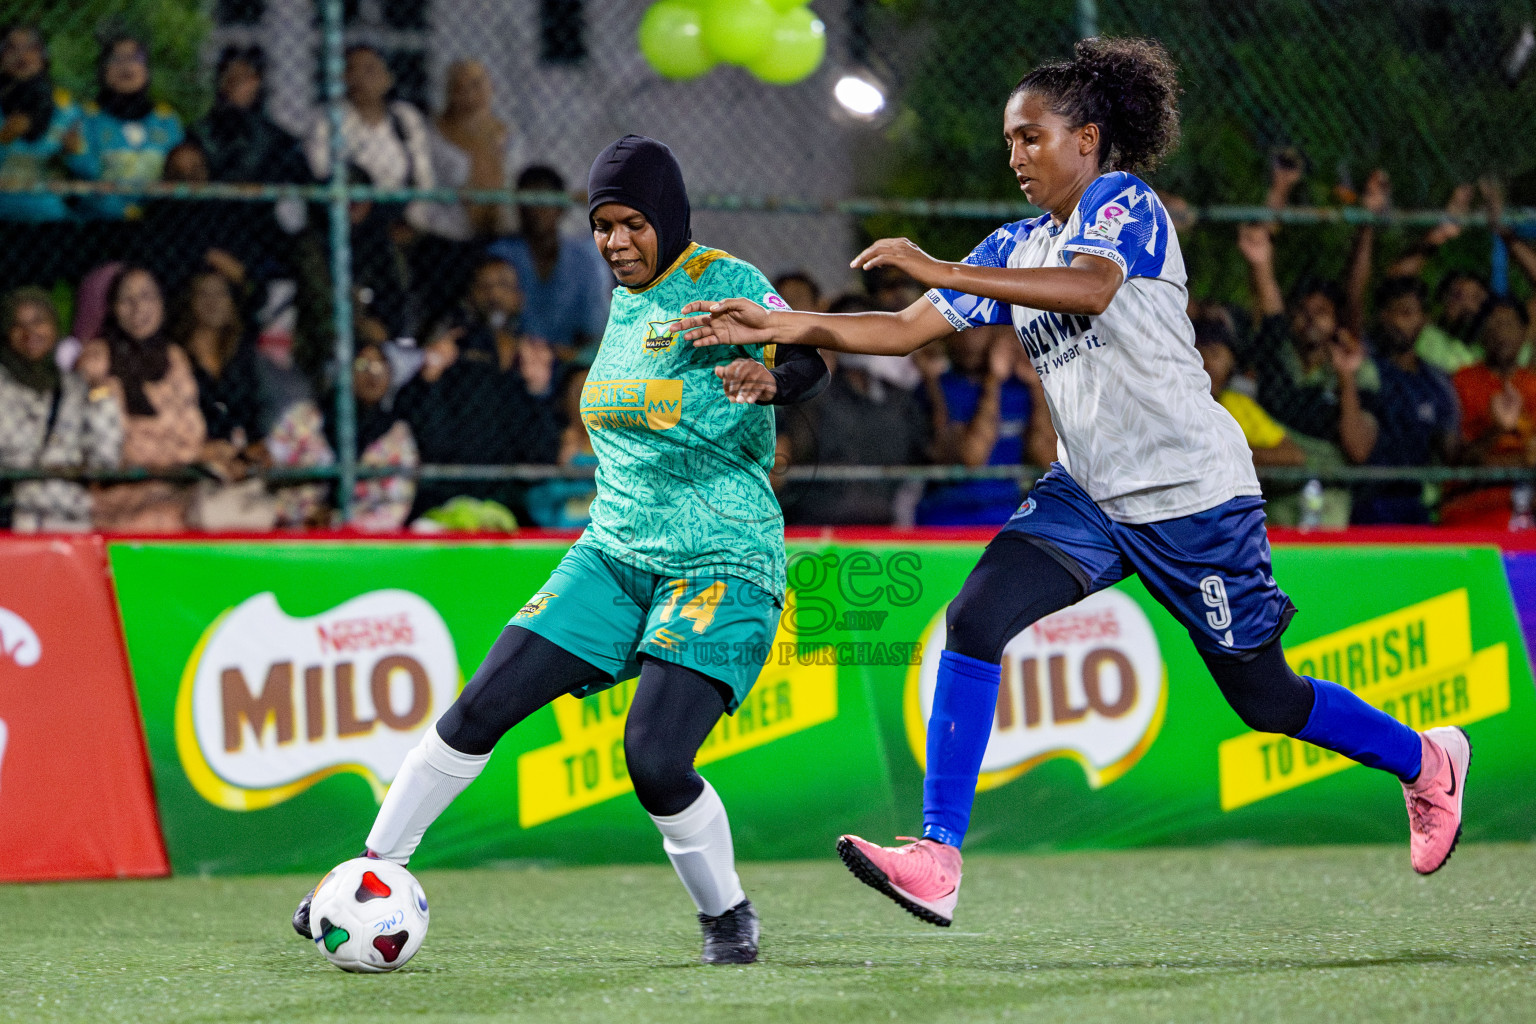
x=700, y=610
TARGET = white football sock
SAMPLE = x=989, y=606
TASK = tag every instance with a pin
x=431, y=776
x=698, y=842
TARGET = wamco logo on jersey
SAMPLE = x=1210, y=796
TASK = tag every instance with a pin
x=1086, y=683
x=271, y=704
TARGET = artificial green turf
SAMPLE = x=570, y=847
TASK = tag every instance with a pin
x=1330, y=933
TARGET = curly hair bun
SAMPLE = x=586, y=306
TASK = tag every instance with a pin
x=1128, y=87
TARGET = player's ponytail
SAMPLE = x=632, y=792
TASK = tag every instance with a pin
x=1128, y=87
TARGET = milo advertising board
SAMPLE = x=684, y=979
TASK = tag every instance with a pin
x=1110, y=732
x=282, y=685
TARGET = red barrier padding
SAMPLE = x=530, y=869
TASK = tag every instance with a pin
x=75, y=793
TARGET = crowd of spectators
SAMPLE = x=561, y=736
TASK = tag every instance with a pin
x=1390, y=374
x=195, y=337
x=202, y=336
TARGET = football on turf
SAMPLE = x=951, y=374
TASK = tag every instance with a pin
x=368, y=916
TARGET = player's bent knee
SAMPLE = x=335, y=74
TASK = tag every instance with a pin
x=1015, y=584
x=1266, y=694
x=971, y=630
x=663, y=774
x=467, y=728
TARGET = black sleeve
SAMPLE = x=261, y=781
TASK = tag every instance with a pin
x=798, y=371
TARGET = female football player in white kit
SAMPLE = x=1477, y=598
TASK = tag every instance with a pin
x=1153, y=478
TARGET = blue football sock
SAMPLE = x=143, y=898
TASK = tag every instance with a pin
x=1344, y=723
x=964, y=702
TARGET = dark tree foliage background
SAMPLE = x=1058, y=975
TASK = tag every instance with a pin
x=174, y=29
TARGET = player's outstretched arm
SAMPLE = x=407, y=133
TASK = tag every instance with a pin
x=744, y=322
x=1086, y=287
x=798, y=375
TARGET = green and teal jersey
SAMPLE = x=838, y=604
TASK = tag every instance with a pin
x=682, y=477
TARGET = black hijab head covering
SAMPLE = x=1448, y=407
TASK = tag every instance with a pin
x=125, y=106
x=31, y=96
x=135, y=361
x=642, y=173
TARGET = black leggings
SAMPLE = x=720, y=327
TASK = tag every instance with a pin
x=1017, y=583
x=673, y=711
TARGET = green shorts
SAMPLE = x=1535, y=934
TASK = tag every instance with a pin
x=609, y=613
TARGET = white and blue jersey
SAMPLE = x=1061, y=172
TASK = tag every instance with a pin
x=1128, y=395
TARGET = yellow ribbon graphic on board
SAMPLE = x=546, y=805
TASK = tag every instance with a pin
x=1416, y=664
x=586, y=766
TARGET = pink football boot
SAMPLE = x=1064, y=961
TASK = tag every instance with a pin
x=923, y=876
x=1434, y=798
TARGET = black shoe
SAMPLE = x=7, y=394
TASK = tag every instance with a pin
x=301, y=916
x=730, y=938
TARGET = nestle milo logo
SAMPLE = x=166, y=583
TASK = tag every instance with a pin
x=270, y=703
x=1086, y=683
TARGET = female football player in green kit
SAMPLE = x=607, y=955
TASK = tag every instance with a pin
x=684, y=558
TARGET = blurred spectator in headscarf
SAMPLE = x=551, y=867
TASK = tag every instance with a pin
x=91, y=300
x=566, y=284
x=124, y=135
x=163, y=426
x=384, y=440
x=35, y=119
x=209, y=328
x=241, y=142
x=49, y=419
x=472, y=147
x=469, y=147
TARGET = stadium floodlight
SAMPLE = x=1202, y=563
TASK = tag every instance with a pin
x=860, y=95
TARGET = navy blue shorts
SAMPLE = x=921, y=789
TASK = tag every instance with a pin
x=1210, y=570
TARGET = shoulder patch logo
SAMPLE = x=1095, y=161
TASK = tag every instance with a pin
x=1111, y=220
x=535, y=605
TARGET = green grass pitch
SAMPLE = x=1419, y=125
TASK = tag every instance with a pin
x=1228, y=934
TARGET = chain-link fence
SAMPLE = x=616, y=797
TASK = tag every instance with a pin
x=297, y=263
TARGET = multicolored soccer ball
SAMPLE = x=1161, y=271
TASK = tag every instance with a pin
x=368, y=916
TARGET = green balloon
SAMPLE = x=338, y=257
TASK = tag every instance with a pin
x=795, y=48
x=737, y=30
x=672, y=40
